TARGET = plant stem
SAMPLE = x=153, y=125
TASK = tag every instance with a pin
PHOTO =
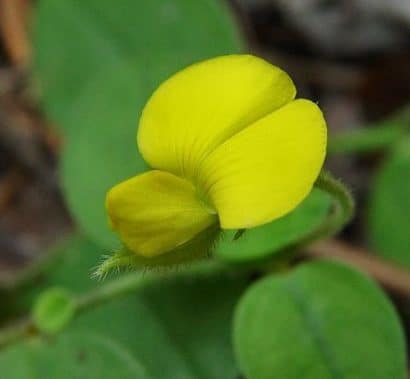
x=17, y=332
x=375, y=138
x=340, y=215
x=133, y=281
x=104, y=293
x=100, y=295
x=365, y=140
x=112, y=289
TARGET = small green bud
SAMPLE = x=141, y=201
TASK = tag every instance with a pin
x=53, y=310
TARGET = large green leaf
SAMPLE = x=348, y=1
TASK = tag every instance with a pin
x=103, y=151
x=321, y=321
x=389, y=208
x=261, y=242
x=175, y=327
x=77, y=40
x=97, y=63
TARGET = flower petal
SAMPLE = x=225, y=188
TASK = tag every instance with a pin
x=156, y=212
x=205, y=104
x=266, y=170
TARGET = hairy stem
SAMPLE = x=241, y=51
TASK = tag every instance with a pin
x=120, y=286
x=341, y=213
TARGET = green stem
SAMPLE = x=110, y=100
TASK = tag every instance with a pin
x=107, y=292
x=113, y=289
x=341, y=213
x=100, y=295
x=374, y=138
x=131, y=282
x=17, y=332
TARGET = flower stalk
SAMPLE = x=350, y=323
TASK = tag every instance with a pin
x=341, y=213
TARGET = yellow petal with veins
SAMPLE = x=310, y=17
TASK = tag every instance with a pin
x=202, y=106
x=156, y=212
x=267, y=169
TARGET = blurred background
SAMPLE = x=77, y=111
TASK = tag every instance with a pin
x=351, y=56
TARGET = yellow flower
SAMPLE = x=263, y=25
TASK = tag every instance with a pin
x=228, y=145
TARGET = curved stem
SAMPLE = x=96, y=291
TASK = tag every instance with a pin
x=341, y=213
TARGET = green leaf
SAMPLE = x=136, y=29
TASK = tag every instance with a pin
x=103, y=152
x=97, y=64
x=265, y=240
x=321, y=321
x=176, y=327
x=75, y=258
x=76, y=41
x=75, y=355
x=389, y=207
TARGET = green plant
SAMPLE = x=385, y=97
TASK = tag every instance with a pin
x=252, y=309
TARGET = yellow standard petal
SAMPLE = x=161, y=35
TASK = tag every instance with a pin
x=267, y=169
x=202, y=106
x=156, y=212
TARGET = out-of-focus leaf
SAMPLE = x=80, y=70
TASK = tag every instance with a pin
x=389, y=208
x=76, y=41
x=75, y=355
x=265, y=240
x=74, y=262
x=322, y=320
x=179, y=328
x=176, y=327
x=103, y=151
x=97, y=63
